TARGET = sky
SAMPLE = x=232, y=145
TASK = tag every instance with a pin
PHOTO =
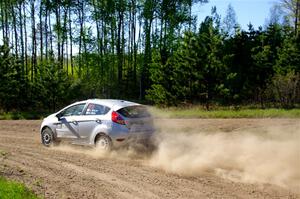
x=254, y=11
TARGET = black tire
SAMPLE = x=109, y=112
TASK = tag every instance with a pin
x=103, y=142
x=47, y=137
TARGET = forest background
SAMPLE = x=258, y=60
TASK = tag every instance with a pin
x=54, y=52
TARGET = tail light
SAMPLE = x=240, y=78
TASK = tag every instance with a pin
x=117, y=118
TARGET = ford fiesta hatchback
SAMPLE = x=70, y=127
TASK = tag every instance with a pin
x=104, y=123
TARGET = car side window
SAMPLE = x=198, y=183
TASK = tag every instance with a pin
x=96, y=109
x=73, y=110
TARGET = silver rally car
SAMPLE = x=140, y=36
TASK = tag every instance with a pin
x=100, y=122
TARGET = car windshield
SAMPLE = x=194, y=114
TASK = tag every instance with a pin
x=134, y=111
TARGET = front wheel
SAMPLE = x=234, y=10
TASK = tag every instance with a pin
x=47, y=137
x=104, y=143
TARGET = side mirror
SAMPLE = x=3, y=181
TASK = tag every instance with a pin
x=59, y=115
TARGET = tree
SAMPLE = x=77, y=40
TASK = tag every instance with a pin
x=276, y=15
x=292, y=9
x=11, y=91
x=195, y=72
x=129, y=48
x=33, y=39
x=148, y=15
x=53, y=86
x=229, y=21
x=286, y=89
x=288, y=57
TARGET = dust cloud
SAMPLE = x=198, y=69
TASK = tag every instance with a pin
x=260, y=155
x=269, y=156
x=135, y=152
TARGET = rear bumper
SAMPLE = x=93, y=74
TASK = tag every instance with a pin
x=140, y=136
x=144, y=137
x=122, y=135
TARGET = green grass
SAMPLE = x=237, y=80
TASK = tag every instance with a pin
x=198, y=112
x=21, y=115
x=189, y=112
x=11, y=189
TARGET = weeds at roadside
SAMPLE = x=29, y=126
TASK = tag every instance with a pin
x=16, y=190
x=21, y=115
x=225, y=112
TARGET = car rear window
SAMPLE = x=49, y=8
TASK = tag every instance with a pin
x=134, y=111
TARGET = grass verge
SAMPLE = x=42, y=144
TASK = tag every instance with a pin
x=11, y=189
x=197, y=112
x=21, y=115
x=190, y=112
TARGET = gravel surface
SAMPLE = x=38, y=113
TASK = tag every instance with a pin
x=69, y=171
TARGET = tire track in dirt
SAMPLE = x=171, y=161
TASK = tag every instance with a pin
x=66, y=169
x=53, y=174
x=155, y=185
x=87, y=176
x=84, y=171
x=57, y=182
x=173, y=188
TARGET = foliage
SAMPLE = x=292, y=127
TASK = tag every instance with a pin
x=56, y=52
x=286, y=89
x=288, y=57
x=159, y=95
x=10, y=189
x=229, y=21
x=12, y=86
x=195, y=70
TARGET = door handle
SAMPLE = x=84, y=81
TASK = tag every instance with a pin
x=98, y=121
x=75, y=122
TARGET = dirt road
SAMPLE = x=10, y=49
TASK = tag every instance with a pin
x=241, y=158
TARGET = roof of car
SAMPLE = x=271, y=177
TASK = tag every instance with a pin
x=115, y=104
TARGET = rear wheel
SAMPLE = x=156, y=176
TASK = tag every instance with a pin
x=47, y=137
x=104, y=143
